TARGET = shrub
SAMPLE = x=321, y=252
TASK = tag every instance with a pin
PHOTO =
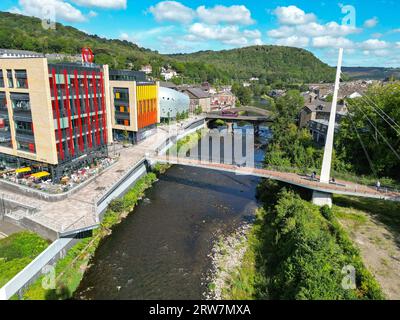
x=117, y=205
x=326, y=212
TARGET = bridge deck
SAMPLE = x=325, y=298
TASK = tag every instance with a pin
x=340, y=187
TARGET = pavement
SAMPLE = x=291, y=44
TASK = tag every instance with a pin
x=78, y=210
x=7, y=229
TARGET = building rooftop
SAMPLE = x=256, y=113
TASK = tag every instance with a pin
x=128, y=75
x=10, y=53
x=197, y=92
x=323, y=106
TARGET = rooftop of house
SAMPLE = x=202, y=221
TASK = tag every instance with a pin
x=197, y=92
x=167, y=84
x=323, y=106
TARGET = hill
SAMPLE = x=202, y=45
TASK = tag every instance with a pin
x=272, y=64
x=371, y=73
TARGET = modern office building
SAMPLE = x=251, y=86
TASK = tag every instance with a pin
x=172, y=102
x=134, y=105
x=52, y=115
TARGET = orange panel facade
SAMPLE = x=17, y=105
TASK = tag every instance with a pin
x=147, y=105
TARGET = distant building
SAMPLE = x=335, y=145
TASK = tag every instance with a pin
x=223, y=100
x=198, y=97
x=246, y=84
x=319, y=128
x=147, y=69
x=169, y=85
x=276, y=93
x=168, y=74
x=319, y=110
x=254, y=79
x=172, y=102
x=355, y=95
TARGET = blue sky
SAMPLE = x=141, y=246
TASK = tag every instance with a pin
x=368, y=30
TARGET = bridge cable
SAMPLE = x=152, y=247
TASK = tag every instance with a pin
x=381, y=135
x=380, y=112
x=376, y=105
x=363, y=146
x=385, y=119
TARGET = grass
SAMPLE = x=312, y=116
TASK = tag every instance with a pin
x=17, y=251
x=243, y=282
x=186, y=143
x=70, y=269
x=386, y=212
x=296, y=251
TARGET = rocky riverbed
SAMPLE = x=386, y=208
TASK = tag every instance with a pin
x=226, y=256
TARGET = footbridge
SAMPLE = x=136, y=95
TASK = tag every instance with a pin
x=254, y=114
x=320, y=188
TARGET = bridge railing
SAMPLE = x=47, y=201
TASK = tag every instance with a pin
x=303, y=177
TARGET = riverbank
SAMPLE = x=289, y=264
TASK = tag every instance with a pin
x=294, y=250
x=69, y=271
x=374, y=227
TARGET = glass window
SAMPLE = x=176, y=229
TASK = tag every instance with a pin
x=21, y=79
x=20, y=102
x=3, y=101
x=1, y=79
x=10, y=79
x=26, y=146
x=5, y=135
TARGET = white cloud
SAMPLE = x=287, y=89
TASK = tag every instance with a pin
x=124, y=36
x=258, y=42
x=293, y=15
x=40, y=9
x=332, y=42
x=374, y=44
x=92, y=14
x=313, y=29
x=398, y=45
x=139, y=35
x=108, y=4
x=377, y=35
x=172, y=11
x=330, y=29
x=371, y=23
x=237, y=14
x=230, y=35
x=281, y=32
x=255, y=34
x=293, y=41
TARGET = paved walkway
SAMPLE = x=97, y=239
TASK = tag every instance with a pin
x=78, y=210
x=7, y=229
x=340, y=187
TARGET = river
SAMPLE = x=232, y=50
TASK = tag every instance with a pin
x=162, y=250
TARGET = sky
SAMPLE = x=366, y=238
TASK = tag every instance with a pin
x=368, y=30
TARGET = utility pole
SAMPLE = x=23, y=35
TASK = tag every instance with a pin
x=327, y=160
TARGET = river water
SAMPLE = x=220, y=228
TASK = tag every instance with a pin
x=161, y=250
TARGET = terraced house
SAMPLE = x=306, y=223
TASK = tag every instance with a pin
x=54, y=116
